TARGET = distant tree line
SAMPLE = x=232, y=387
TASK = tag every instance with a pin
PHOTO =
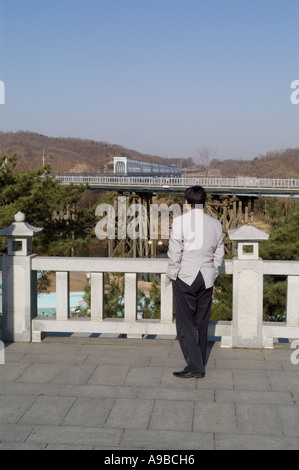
x=46, y=204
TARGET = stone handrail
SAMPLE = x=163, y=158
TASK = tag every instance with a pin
x=247, y=328
x=129, y=325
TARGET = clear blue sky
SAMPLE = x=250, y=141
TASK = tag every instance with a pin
x=165, y=77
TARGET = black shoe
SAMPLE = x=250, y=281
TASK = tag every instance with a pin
x=188, y=375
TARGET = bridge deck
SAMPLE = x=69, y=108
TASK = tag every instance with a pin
x=221, y=186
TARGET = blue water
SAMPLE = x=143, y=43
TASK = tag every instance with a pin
x=46, y=303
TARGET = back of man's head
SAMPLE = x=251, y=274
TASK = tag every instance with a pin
x=196, y=196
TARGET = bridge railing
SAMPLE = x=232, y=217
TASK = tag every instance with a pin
x=247, y=328
x=265, y=183
x=129, y=324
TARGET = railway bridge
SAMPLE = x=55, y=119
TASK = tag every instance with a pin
x=230, y=200
x=255, y=187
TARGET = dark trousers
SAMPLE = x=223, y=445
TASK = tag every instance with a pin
x=193, y=308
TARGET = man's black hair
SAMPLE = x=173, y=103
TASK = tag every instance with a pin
x=196, y=196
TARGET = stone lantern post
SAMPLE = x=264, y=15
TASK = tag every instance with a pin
x=20, y=286
x=247, y=331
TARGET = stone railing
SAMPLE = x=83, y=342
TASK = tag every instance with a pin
x=246, y=330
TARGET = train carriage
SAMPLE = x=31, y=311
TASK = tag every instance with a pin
x=124, y=166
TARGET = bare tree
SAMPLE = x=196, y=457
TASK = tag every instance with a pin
x=206, y=155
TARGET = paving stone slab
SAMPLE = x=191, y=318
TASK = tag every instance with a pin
x=251, y=380
x=36, y=389
x=75, y=436
x=48, y=410
x=215, y=417
x=287, y=365
x=254, y=442
x=130, y=414
x=102, y=351
x=46, y=347
x=21, y=446
x=74, y=374
x=133, y=360
x=289, y=416
x=248, y=365
x=15, y=432
x=280, y=353
x=172, y=414
x=9, y=372
x=68, y=447
x=99, y=391
x=258, y=419
x=176, y=363
x=295, y=396
x=176, y=393
x=13, y=407
x=54, y=358
x=89, y=412
x=216, y=378
x=284, y=381
x=243, y=396
x=236, y=354
x=167, y=440
x=13, y=357
x=144, y=376
x=109, y=375
x=40, y=373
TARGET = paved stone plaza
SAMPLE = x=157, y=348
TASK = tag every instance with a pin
x=106, y=393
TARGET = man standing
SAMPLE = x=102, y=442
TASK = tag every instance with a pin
x=196, y=252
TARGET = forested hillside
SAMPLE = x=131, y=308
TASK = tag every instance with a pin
x=65, y=154
x=73, y=155
x=276, y=164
